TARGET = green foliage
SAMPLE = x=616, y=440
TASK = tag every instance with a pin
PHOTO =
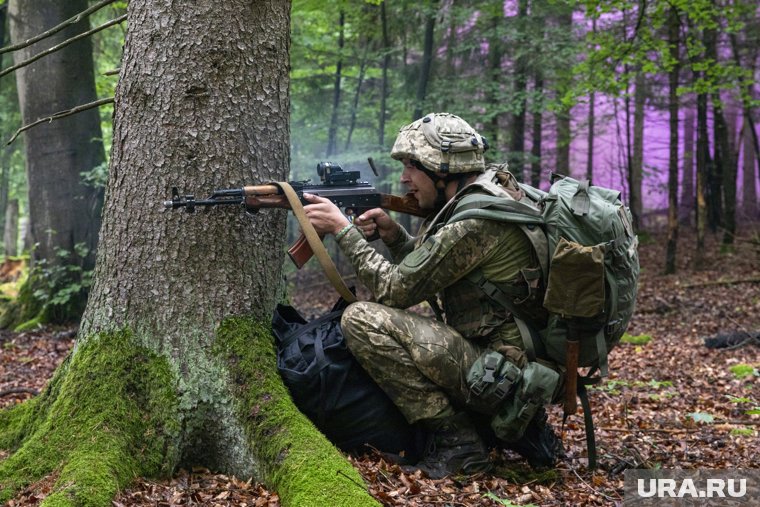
x=64, y=284
x=503, y=501
x=741, y=371
x=641, y=339
x=743, y=432
x=96, y=177
x=701, y=417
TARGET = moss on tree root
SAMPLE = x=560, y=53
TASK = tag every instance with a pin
x=299, y=463
x=107, y=416
x=112, y=413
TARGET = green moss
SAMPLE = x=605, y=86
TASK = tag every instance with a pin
x=302, y=465
x=641, y=339
x=108, y=416
x=22, y=309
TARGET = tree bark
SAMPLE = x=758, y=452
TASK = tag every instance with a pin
x=637, y=160
x=538, y=118
x=727, y=172
x=174, y=364
x=427, y=62
x=565, y=22
x=673, y=42
x=10, y=232
x=591, y=125
x=495, y=79
x=63, y=212
x=749, y=193
x=714, y=166
x=384, y=86
x=517, y=134
x=687, y=187
x=703, y=162
x=332, y=134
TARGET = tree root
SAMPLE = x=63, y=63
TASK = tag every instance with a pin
x=105, y=418
x=112, y=413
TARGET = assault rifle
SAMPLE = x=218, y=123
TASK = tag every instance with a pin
x=342, y=187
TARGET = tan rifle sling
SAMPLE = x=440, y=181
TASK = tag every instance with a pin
x=315, y=242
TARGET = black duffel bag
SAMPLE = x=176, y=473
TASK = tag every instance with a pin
x=330, y=387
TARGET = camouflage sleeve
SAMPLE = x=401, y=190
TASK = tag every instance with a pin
x=402, y=245
x=441, y=260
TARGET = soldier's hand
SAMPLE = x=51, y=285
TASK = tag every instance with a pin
x=324, y=215
x=377, y=221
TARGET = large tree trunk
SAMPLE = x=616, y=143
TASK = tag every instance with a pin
x=64, y=213
x=174, y=364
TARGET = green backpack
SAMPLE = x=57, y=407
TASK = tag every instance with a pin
x=584, y=240
x=586, y=247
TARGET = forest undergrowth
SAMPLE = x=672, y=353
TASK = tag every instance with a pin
x=669, y=402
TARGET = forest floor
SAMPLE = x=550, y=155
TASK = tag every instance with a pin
x=668, y=403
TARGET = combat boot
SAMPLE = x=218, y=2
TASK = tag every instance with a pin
x=539, y=444
x=453, y=447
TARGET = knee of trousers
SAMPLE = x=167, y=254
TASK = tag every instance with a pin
x=358, y=321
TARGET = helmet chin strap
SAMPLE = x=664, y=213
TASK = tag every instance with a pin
x=440, y=182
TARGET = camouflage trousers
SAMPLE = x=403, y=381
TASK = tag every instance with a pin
x=419, y=362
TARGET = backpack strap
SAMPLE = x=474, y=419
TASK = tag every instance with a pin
x=505, y=295
x=588, y=420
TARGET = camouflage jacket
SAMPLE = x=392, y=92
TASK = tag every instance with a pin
x=434, y=265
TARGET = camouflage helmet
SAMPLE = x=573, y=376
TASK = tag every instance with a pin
x=441, y=142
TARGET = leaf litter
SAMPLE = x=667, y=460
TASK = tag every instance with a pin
x=670, y=402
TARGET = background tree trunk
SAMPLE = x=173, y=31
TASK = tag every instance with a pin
x=427, y=62
x=538, y=118
x=673, y=41
x=637, y=163
x=10, y=232
x=332, y=135
x=749, y=196
x=727, y=171
x=687, y=203
x=703, y=162
x=517, y=134
x=62, y=211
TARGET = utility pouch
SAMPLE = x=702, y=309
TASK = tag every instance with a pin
x=535, y=390
x=491, y=379
x=576, y=280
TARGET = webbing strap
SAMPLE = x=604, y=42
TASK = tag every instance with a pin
x=588, y=423
x=601, y=352
x=320, y=252
x=527, y=336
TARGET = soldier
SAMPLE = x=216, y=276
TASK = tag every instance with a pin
x=473, y=365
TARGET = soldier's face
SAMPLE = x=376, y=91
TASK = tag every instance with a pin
x=419, y=185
